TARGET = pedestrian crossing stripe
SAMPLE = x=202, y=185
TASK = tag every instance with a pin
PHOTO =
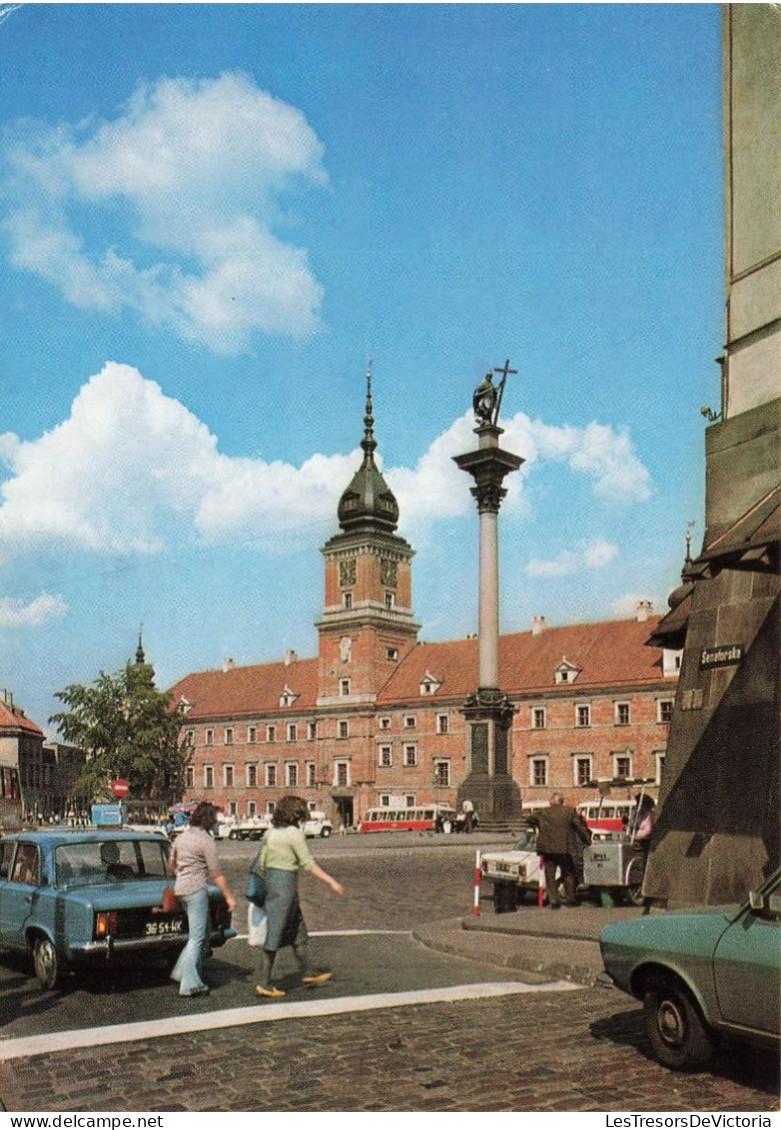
x=262, y=1013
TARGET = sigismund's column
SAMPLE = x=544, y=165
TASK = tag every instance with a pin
x=489, y=784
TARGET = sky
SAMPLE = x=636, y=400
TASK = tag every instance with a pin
x=214, y=218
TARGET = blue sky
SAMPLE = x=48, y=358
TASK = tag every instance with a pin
x=213, y=216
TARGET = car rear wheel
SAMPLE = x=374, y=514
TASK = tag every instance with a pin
x=46, y=963
x=325, y=833
x=675, y=1030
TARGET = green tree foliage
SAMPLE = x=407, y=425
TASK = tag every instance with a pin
x=128, y=729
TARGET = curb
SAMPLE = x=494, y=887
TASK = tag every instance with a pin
x=547, y=958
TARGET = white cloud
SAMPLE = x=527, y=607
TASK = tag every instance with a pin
x=603, y=454
x=185, y=195
x=15, y=613
x=588, y=556
x=134, y=471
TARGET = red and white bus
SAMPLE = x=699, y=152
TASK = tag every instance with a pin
x=607, y=818
x=414, y=818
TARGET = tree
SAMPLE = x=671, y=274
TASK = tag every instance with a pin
x=128, y=729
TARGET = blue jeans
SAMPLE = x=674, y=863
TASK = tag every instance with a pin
x=187, y=970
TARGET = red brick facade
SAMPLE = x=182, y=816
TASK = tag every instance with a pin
x=378, y=715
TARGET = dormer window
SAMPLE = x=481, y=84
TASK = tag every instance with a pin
x=429, y=684
x=288, y=697
x=566, y=672
x=185, y=706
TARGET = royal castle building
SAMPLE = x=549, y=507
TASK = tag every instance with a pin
x=377, y=716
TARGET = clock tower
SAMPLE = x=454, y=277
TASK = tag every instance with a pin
x=367, y=625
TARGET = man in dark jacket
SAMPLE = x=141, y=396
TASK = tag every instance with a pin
x=561, y=834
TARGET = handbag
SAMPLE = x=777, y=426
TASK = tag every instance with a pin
x=256, y=880
x=171, y=904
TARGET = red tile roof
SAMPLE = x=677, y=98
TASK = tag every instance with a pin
x=611, y=653
x=248, y=690
x=12, y=718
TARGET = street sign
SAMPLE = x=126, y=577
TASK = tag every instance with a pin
x=120, y=787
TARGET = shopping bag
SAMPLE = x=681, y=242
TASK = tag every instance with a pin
x=257, y=925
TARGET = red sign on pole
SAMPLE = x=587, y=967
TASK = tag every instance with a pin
x=120, y=787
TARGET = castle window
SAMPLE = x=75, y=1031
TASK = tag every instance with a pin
x=252, y=734
x=390, y=600
x=538, y=771
x=271, y=733
x=344, y=687
x=583, y=714
x=539, y=719
x=310, y=775
x=208, y=737
x=347, y=599
x=208, y=776
x=229, y=735
x=443, y=724
x=582, y=773
x=271, y=774
x=227, y=776
x=410, y=756
x=251, y=773
x=442, y=774
x=311, y=731
x=385, y=758
x=622, y=714
x=409, y=721
x=622, y=765
x=664, y=710
x=342, y=729
x=392, y=653
x=291, y=775
x=385, y=723
x=292, y=732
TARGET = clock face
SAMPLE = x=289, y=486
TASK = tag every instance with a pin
x=388, y=572
x=347, y=572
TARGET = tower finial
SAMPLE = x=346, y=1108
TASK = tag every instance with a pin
x=368, y=443
x=140, y=657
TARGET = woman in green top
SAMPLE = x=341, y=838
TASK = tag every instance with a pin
x=284, y=854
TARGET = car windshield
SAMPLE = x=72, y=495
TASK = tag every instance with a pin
x=112, y=861
x=525, y=841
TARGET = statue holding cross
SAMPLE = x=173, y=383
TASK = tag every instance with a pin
x=487, y=398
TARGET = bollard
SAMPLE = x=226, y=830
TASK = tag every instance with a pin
x=541, y=885
x=476, y=903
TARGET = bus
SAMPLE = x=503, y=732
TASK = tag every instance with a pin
x=11, y=808
x=607, y=818
x=414, y=818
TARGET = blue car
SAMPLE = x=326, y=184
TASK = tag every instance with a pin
x=705, y=975
x=89, y=898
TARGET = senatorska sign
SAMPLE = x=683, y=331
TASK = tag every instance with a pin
x=120, y=787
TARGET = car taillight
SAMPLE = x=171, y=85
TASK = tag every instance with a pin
x=105, y=923
x=521, y=870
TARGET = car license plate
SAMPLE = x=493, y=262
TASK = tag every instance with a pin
x=159, y=927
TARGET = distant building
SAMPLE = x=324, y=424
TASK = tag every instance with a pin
x=377, y=717
x=21, y=747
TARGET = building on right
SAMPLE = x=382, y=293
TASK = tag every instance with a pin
x=718, y=828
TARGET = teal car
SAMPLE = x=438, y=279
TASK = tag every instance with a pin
x=704, y=975
x=91, y=898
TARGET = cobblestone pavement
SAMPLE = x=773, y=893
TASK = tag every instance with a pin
x=576, y=1051
x=582, y=1050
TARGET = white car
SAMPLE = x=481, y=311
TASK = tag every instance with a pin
x=515, y=873
x=250, y=829
x=318, y=824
